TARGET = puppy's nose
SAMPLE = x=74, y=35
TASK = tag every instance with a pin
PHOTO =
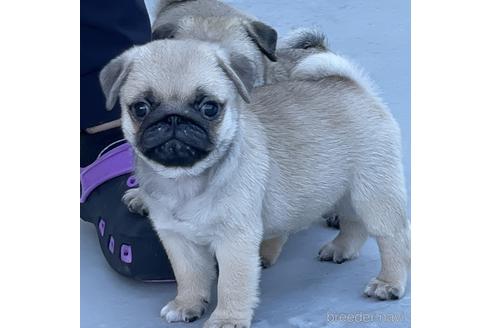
x=174, y=120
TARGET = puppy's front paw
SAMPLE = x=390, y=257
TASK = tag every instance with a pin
x=227, y=323
x=135, y=204
x=384, y=290
x=336, y=253
x=176, y=311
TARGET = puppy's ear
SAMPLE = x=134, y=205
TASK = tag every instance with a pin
x=265, y=38
x=164, y=31
x=112, y=77
x=241, y=72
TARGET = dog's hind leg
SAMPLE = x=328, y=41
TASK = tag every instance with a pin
x=381, y=206
x=351, y=237
x=346, y=244
x=270, y=250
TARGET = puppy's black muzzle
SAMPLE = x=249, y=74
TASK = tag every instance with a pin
x=174, y=140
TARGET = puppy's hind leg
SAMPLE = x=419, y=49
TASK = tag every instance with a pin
x=270, y=250
x=346, y=244
x=351, y=237
x=381, y=206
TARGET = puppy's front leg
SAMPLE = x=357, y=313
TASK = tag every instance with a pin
x=134, y=201
x=194, y=268
x=239, y=271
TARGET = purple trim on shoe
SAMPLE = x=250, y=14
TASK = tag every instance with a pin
x=116, y=162
x=126, y=253
x=102, y=227
x=132, y=182
x=111, y=244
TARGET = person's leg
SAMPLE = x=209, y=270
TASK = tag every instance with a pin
x=128, y=241
x=107, y=28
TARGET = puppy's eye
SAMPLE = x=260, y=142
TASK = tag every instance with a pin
x=210, y=109
x=140, y=109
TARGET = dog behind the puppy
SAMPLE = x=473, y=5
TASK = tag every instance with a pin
x=302, y=55
x=217, y=22
x=220, y=175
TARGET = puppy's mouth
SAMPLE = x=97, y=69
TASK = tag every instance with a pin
x=175, y=141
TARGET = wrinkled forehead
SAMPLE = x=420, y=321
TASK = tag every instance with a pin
x=212, y=28
x=176, y=70
x=229, y=32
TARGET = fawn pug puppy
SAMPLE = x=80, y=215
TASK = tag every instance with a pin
x=254, y=40
x=171, y=11
x=215, y=21
x=221, y=170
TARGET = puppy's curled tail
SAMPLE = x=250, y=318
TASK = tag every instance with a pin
x=325, y=64
x=305, y=38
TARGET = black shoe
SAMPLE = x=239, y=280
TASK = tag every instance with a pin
x=128, y=241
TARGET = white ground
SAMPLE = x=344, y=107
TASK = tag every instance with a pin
x=298, y=291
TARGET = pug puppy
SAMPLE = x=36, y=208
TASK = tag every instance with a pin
x=171, y=11
x=223, y=166
x=302, y=56
x=215, y=21
x=252, y=39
